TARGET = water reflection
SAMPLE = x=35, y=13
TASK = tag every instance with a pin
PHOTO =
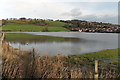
x=47, y=39
x=49, y=45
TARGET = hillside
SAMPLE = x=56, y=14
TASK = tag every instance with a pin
x=86, y=26
x=34, y=25
x=41, y=25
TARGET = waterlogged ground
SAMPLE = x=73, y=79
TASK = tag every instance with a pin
x=66, y=43
x=108, y=59
x=22, y=64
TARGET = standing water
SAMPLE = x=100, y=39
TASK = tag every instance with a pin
x=73, y=43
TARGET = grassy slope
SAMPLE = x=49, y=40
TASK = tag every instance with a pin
x=55, y=23
x=52, y=26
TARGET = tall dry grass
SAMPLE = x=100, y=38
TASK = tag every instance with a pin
x=24, y=64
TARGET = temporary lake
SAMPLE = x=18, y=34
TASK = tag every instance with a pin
x=65, y=43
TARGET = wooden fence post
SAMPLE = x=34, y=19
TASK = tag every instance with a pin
x=33, y=54
x=96, y=70
x=2, y=37
x=8, y=47
x=33, y=63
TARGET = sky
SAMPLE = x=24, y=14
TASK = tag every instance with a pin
x=90, y=10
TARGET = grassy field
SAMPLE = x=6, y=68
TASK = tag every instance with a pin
x=55, y=23
x=101, y=56
x=16, y=36
x=25, y=37
x=52, y=27
x=29, y=37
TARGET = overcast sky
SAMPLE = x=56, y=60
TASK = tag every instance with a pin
x=91, y=10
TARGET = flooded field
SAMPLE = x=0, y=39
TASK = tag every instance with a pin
x=67, y=43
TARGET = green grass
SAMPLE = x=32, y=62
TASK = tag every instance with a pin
x=25, y=37
x=21, y=27
x=55, y=23
x=0, y=28
x=29, y=37
x=57, y=29
x=109, y=54
x=53, y=27
x=17, y=36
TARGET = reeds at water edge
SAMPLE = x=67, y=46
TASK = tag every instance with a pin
x=24, y=64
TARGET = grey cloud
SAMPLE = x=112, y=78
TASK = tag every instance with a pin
x=104, y=18
x=74, y=13
x=77, y=14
